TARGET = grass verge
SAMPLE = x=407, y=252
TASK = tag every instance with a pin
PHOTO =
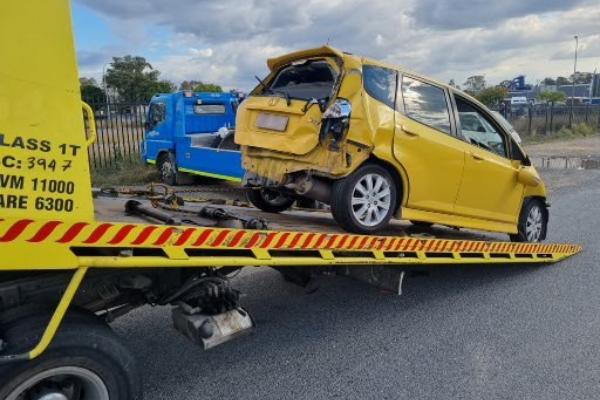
x=125, y=173
x=578, y=131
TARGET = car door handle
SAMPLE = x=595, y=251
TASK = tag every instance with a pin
x=409, y=132
x=477, y=157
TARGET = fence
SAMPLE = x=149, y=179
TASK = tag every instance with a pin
x=120, y=126
x=546, y=119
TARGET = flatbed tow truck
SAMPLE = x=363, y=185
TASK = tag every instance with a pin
x=71, y=263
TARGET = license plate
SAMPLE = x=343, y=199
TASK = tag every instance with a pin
x=272, y=122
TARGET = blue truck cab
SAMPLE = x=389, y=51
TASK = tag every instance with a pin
x=191, y=133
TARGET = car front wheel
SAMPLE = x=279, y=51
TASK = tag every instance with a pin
x=533, y=222
x=364, y=201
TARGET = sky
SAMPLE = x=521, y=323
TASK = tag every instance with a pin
x=227, y=42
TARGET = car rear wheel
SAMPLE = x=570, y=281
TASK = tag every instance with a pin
x=269, y=200
x=364, y=201
x=533, y=222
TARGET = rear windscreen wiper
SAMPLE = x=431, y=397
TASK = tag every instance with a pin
x=262, y=83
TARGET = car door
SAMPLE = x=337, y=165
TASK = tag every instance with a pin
x=489, y=188
x=426, y=146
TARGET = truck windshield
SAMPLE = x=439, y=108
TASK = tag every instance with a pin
x=309, y=80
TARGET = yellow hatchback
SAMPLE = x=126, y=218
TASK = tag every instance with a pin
x=376, y=141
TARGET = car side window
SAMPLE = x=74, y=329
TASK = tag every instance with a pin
x=478, y=129
x=426, y=103
x=380, y=83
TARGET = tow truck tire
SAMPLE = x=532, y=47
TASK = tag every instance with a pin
x=269, y=200
x=84, y=355
x=167, y=168
x=533, y=222
x=347, y=199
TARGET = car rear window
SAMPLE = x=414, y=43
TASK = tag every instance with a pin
x=380, y=83
x=313, y=79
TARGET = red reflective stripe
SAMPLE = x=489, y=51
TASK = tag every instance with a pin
x=185, y=236
x=381, y=243
x=72, y=232
x=363, y=242
x=122, y=234
x=295, y=240
x=341, y=242
x=202, y=238
x=268, y=240
x=164, y=236
x=320, y=240
x=331, y=241
x=236, y=239
x=44, y=231
x=281, y=240
x=253, y=240
x=307, y=240
x=144, y=234
x=97, y=233
x=15, y=230
x=352, y=242
x=391, y=243
x=220, y=238
x=399, y=244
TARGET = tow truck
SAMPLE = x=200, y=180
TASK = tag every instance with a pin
x=75, y=258
x=191, y=134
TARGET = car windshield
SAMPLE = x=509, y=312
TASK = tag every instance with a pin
x=313, y=79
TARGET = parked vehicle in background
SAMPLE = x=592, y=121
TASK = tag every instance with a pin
x=376, y=141
x=189, y=133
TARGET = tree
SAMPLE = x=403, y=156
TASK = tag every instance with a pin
x=134, y=79
x=581, y=77
x=551, y=97
x=561, y=80
x=453, y=84
x=91, y=93
x=492, y=96
x=549, y=81
x=208, y=87
x=475, y=83
x=506, y=84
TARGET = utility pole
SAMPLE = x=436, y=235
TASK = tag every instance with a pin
x=105, y=87
x=573, y=87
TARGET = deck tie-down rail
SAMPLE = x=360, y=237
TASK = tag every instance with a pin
x=105, y=244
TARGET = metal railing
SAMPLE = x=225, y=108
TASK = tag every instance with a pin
x=120, y=131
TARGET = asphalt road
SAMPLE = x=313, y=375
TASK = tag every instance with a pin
x=517, y=332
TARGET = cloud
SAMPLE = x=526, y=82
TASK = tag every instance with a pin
x=228, y=41
x=459, y=14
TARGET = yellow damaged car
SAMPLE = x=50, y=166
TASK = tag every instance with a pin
x=375, y=141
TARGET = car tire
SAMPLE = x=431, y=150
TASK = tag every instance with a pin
x=84, y=354
x=270, y=201
x=533, y=222
x=364, y=201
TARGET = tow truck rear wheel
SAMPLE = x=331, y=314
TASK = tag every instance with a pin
x=269, y=200
x=533, y=222
x=167, y=167
x=364, y=201
x=85, y=361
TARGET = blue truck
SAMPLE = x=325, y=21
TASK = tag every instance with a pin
x=191, y=133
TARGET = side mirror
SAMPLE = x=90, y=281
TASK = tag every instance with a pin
x=528, y=177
